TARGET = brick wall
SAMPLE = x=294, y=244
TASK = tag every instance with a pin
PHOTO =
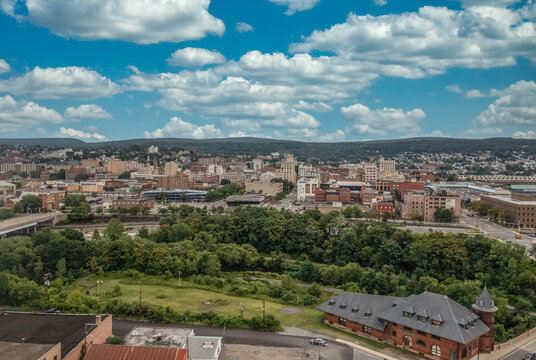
x=97, y=336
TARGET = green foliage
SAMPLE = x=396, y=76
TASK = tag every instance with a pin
x=480, y=207
x=6, y=213
x=27, y=203
x=415, y=216
x=288, y=186
x=444, y=215
x=223, y=192
x=77, y=208
x=115, y=229
x=124, y=175
x=115, y=340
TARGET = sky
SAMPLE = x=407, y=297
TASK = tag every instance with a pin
x=325, y=70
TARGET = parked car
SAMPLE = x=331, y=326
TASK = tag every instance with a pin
x=53, y=311
x=319, y=342
x=529, y=356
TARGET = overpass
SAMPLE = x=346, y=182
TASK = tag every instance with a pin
x=27, y=224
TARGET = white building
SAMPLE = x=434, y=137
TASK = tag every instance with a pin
x=258, y=164
x=152, y=149
x=387, y=165
x=306, y=188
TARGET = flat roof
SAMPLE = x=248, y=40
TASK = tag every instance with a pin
x=158, y=336
x=204, y=347
x=40, y=328
x=23, y=351
x=510, y=200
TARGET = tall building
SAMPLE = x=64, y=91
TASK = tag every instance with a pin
x=257, y=165
x=288, y=168
x=171, y=168
x=371, y=172
x=152, y=149
x=387, y=165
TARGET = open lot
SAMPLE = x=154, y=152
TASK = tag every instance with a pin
x=189, y=297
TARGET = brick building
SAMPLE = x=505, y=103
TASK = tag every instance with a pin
x=521, y=207
x=385, y=207
x=342, y=195
x=430, y=324
x=179, y=181
x=128, y=203
x=426, y=204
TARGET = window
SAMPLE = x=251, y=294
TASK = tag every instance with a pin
x=354, y=310
x=421, y=343
x=421, y=333
x=367, y=329
x=342, y=321
x=421, y=318
x=436, y=322
x=408, y=328
x=55, y=357
x=393, y=333
x=436, y=351
x=407, y=314
x=436, y=337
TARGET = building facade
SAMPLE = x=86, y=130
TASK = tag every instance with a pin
x=520, y=207
x=371, y=172
x=288, y=169
x=430, y=324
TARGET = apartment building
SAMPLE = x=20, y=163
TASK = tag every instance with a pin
x=171, y=168
x=371, y=172
x=426, y=204
x=387, y=165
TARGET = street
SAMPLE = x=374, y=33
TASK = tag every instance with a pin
x=333, y=351
x=518, y=354
x=495, y=231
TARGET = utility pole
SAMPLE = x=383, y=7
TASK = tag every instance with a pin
x=140, y=295
x=241, y=310
x=179, y=278
x=263, y=311
x=98, y=287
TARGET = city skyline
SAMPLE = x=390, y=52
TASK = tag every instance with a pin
x=329, y=70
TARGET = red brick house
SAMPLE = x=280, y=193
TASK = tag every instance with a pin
x=430, y=324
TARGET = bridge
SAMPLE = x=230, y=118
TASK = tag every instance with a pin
x=27, y=224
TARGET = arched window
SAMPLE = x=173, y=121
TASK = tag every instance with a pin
x=421, y=343
x=406, y=341
x=436, y=351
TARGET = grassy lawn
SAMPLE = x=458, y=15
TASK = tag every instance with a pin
x=190, y=297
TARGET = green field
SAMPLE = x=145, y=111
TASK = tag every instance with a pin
x=190, y=297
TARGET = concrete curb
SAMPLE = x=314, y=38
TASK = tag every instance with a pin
x=362, y=348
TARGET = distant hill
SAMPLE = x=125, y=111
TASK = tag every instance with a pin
x=325, y=151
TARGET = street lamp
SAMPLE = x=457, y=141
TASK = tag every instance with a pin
x=98, y=287
x=180, y=278
x=241, y=310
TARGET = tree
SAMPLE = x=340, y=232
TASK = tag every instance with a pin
x=99, y=210
x=225, y=182
x=77, y=207
x=60, y=175
x=444, y=215
x=125, y=175
x=61, y=268
x=115, y=229
x=415, y=216
x=180, y=232
x=80, y=177
x=28, y=202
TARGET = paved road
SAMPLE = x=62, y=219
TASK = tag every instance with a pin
x=24, y=220
x=518, y=354
x=334, y=350
x=495, y=231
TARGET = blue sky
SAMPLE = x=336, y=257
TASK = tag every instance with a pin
x=332, y=70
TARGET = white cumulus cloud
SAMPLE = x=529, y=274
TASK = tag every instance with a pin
x=377, y=122
x=530, y=134
x=514, y=106
x=79, y=134
x=138, y=21
x=195, y=57
x=4, y=66
x=22, y=115
x=296, y=5
x=60, y=83
x=242, y=27
x=86, y=111
x=177, y=127
x=380, y=2
x=430, y=41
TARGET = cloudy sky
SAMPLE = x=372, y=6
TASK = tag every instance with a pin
x=331, y=70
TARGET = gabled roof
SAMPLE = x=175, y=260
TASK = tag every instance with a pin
x=364, y=303
x=125, y=352
x=456, y=318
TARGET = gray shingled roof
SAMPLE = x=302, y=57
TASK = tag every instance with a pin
x=364, y=303
x=455, y=317
x=484, y=300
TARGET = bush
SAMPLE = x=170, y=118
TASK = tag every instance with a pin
x=115, y=340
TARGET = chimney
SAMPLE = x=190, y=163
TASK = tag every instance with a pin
x=98, y=320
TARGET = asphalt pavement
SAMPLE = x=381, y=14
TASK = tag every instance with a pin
x=334, y=350
x=518, y=354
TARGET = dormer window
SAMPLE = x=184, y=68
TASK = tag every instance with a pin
x=342, y=306
x=368, y=313
x=481, y=303
x=436, y=322
x=421, y=318
x=354, y=309
x=331, y=302
x=407, y=314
